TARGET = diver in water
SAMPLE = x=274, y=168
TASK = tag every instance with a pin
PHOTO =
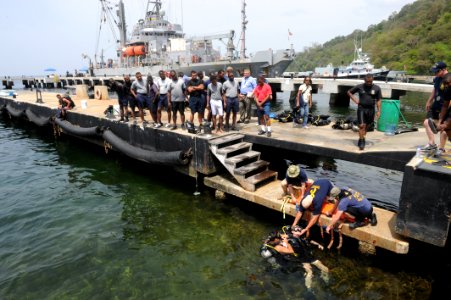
x=281, y=248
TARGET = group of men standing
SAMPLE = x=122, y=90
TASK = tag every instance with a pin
x=220, y=94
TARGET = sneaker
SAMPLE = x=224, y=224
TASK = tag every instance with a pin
x=145, y=122
x=234, y=128
x=432, y=126
x=126, y=120
x=439, y=152
x=121, y=120
x=429, y=147
x=246, y=122
x=261, y=132
x=305, y=127
x=268, y=134
x=158, y=125
x=183, y=127
x=167, y=125
x=174, y=127
x=373, y=220
x=356, y=225
x=239, y=122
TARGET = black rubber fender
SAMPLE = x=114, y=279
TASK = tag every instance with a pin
x=77, y=130
x=40, y=121
x=153, y=157
x=17, y=113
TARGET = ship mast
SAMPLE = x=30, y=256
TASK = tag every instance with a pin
x=243, y=31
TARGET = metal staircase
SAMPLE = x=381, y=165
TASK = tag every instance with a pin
x=241, y=161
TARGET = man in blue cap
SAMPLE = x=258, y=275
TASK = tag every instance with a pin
x=433, y=107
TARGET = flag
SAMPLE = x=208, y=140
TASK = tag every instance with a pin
x=289, y=34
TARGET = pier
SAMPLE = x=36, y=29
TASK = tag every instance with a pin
x=240, y=163
x=337, y=88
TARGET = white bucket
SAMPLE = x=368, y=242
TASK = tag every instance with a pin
x=116, y=110
x=84, y=104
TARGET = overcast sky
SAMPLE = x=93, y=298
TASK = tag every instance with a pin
x=40, y=34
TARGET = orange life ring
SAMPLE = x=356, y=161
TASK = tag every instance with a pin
x=98, y=95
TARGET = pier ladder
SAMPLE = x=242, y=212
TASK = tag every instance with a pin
x=241, y=161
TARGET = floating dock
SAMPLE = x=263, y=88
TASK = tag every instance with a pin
x=234, y=162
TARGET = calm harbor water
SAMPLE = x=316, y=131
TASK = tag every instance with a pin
x=77, y=224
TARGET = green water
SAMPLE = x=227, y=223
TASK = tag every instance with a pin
x=78, y=224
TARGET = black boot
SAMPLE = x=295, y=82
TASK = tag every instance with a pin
x=373, y=220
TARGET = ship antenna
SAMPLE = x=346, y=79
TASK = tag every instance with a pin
x=243, y=31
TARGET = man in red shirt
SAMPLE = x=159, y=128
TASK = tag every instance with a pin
x=262, y=94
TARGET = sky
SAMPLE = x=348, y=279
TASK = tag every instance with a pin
x=42, y=34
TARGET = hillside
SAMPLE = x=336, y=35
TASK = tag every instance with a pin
x=412, y=40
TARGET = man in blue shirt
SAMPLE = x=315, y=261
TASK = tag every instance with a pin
x=248, y=84
x=356, y=204
x=320, y=190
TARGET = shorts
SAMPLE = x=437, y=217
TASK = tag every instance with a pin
x=163, y=101
x=233, y=104
x=216, y=107
x=433, y=113
x=196, y=104
x=365, y=115
x=264, y=111
x=178, y=106
x=123, y=101
x=141, y=100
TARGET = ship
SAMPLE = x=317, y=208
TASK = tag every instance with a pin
x=157, y=44
x=358, y=68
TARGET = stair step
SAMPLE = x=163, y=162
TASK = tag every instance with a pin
x=227, y=140
x=261, y=177
x=235, y=149
x=252, y=168
x=243, y=159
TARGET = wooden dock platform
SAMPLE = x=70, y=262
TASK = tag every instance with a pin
x=382, y=235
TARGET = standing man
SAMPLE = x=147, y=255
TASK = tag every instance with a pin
x=163, y=85
x=152, y=100
x=139, y=91
x=195, y=88
x=248, y=84
x=369, y=95
x=304, y=100
x=231, y=103
x=262, y=94
x=434, y=106
x=122, y=95
x=214, y=102
x=176, y=98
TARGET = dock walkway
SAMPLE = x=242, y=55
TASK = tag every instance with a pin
x=392, y=152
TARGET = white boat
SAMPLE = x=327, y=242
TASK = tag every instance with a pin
x=358, y=68
x=157, y=44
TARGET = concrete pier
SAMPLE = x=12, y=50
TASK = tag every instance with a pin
x=392, y=152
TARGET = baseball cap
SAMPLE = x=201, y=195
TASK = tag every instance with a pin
x=438, y=66
x=335, y=191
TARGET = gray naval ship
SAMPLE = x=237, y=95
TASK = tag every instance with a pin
x=157, y=44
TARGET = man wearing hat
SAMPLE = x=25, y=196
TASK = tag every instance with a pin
x=354, y=203
x=433, y=107
x=315, y=195
x=295, y=182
